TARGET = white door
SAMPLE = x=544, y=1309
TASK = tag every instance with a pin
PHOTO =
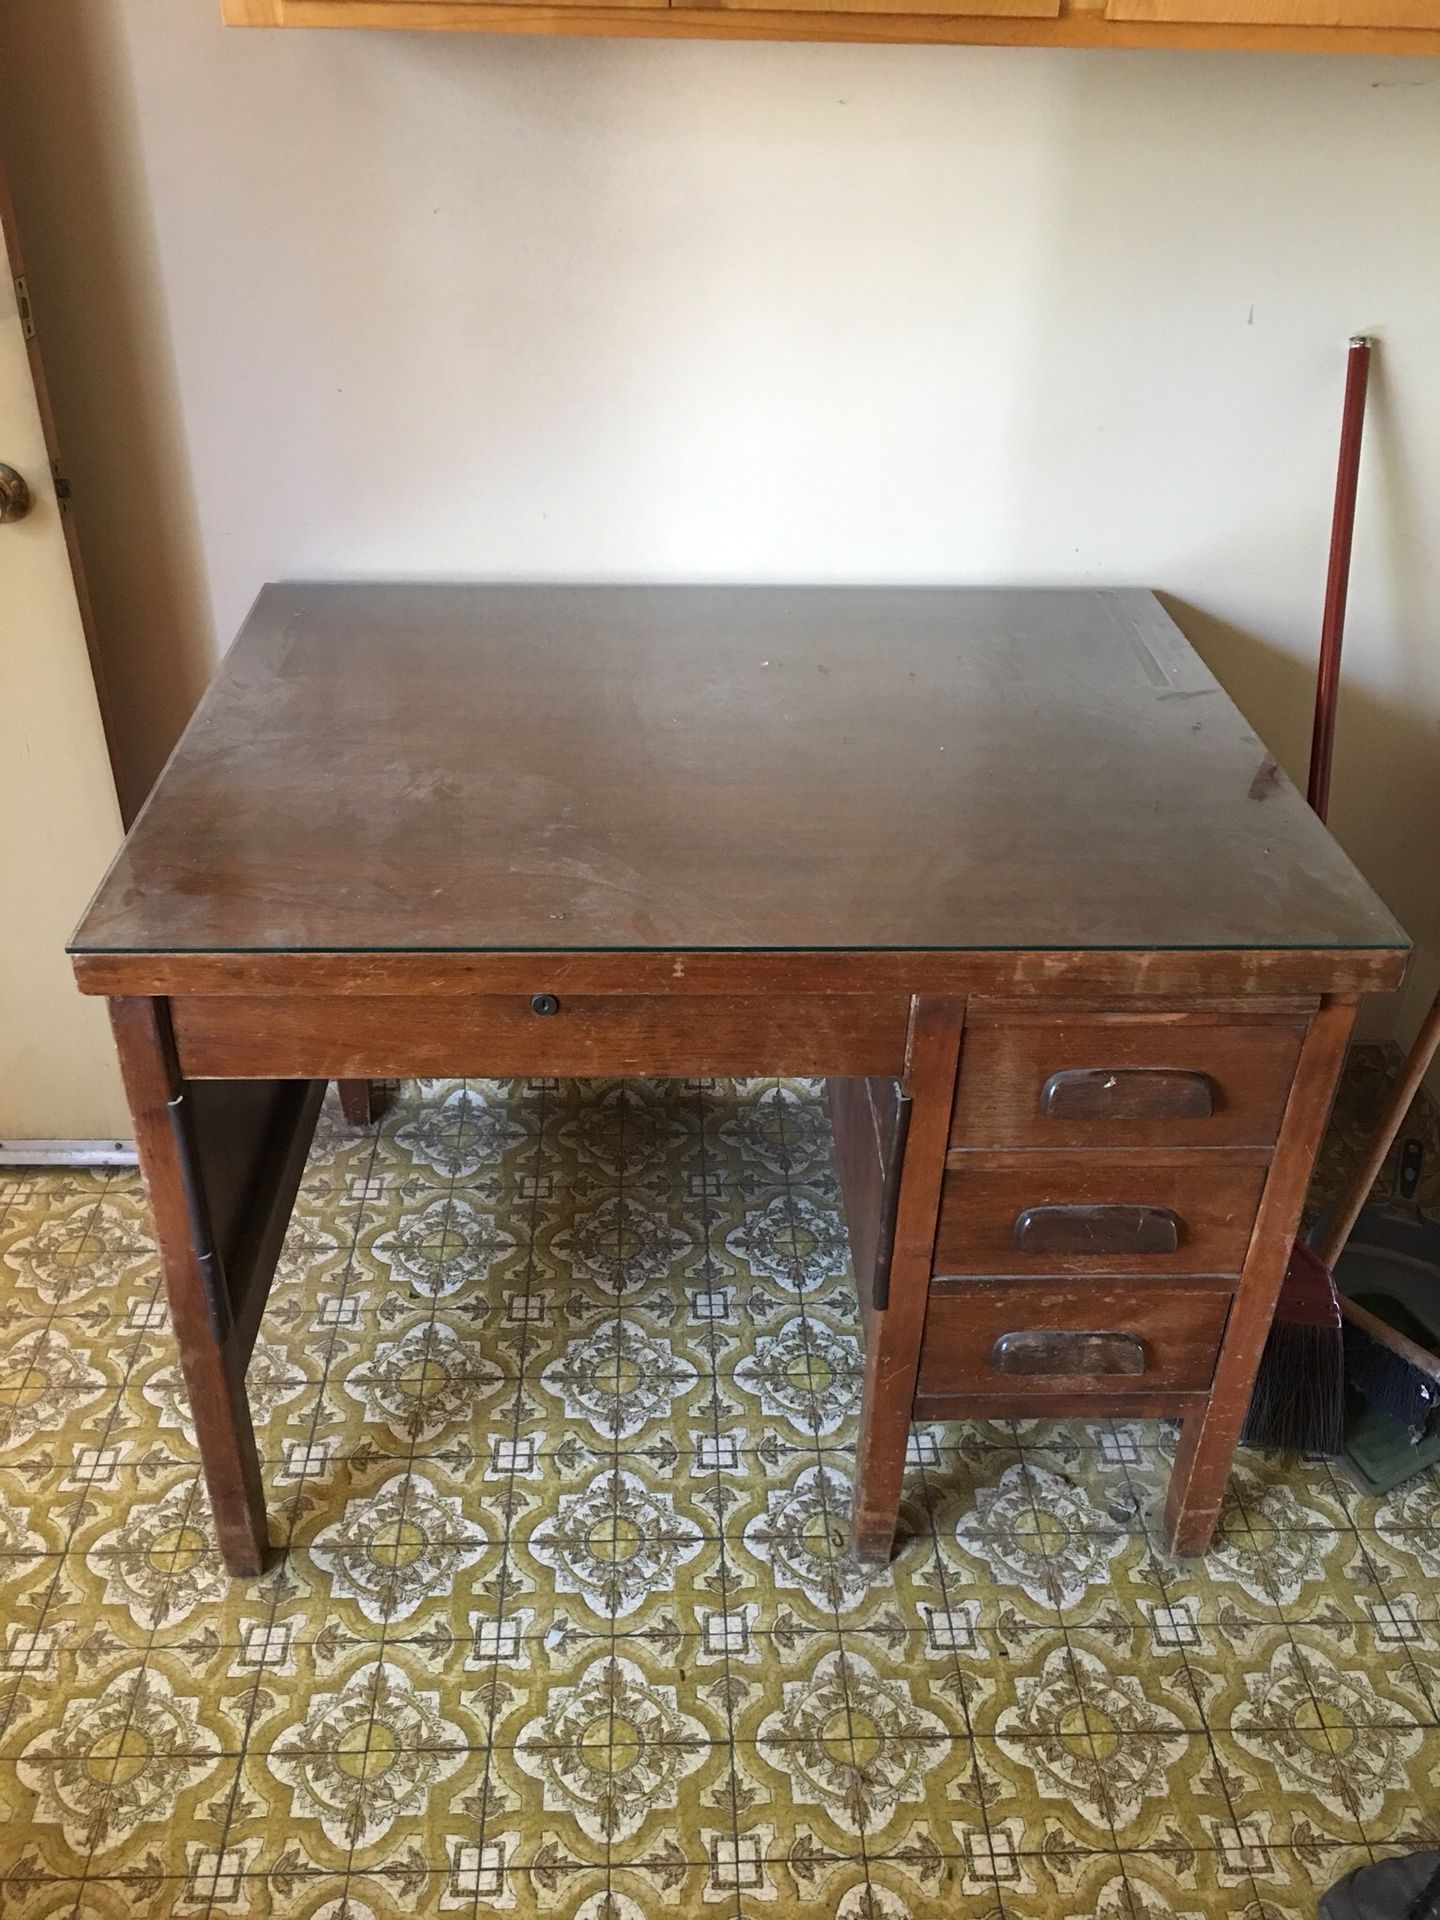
x=59, y=821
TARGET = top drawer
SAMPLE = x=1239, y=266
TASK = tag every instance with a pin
x=1044, y=1079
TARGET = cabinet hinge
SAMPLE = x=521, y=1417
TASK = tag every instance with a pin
x=22, y=302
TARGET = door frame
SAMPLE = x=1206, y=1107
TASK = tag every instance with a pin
x=102, y=1152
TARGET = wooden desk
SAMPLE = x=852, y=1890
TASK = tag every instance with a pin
x=1006, y=867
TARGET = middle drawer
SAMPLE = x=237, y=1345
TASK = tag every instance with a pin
x=1059, y=1214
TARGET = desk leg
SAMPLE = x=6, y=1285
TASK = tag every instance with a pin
x=199, y=1307
x=892, y=1337
x=360, y=1101
x=1208, y=1439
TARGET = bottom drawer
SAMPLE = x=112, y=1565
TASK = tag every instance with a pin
x=1035, y=1341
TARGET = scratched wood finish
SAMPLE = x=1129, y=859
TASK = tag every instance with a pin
x=717, y=769
x=1246, y=1061
x=1310, y=26
x=1087, y=973
x=1092, y=1401
x=332, y=883
x=1214, y=1204
x=1179, y=1331
x=499, y=1035
x=1208, y=1438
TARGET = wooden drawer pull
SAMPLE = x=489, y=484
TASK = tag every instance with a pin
x=1127, y=1093
x=1058, y=1350
x=1097, y=1230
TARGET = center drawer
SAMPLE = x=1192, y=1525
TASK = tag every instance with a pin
x=1086, y=1213
x=1027, y=1342
x=480, y=1035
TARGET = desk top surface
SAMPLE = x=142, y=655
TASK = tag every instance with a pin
x=465, y=768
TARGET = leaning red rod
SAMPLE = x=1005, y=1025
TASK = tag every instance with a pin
x=1337, y=582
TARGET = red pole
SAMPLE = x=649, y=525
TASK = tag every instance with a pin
x=1337, y=583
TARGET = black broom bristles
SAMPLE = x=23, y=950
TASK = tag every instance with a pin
x=1299, y=1397
x=1389, y=1383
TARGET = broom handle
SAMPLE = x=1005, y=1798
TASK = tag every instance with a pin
x=1322, y=747
x=1406, y=1087
x=1418, y=1357
x=1337, y=579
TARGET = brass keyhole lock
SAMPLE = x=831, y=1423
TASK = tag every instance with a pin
x=544, y=1003
x=16, y=499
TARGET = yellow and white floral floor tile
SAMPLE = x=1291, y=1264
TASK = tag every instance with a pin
x=557, y=1394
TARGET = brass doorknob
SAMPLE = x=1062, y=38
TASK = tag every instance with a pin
x=16, y=499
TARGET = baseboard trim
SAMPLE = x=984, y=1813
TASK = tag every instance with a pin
x=67, y=1153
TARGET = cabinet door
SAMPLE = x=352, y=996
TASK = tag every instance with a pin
x=392, y=13
x=1280, y=13
x=461, y=7
x=954, y=9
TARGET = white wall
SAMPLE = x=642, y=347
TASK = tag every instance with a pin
x=453, y=305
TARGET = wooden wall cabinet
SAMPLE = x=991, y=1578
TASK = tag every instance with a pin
x=1319, y=26
x=1374, y=15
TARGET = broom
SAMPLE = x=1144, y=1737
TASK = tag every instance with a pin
x=1319, y=1339
x=1393, y=1373
x=1299, y=1396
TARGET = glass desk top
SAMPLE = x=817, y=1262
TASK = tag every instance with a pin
x=469, y=768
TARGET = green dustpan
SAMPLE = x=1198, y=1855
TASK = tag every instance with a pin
x=1379, y=1454
x=1391, y=1265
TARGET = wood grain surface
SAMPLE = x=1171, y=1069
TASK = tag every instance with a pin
x=981, y=1203
x=1179, y=1332
x=1246, y=1062
x=421, y=769
x=489, y=1036
x=1261, y=26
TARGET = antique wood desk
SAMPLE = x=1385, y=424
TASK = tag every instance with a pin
x=1007, y=868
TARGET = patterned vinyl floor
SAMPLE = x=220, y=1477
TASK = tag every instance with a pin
x=556, y=1394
